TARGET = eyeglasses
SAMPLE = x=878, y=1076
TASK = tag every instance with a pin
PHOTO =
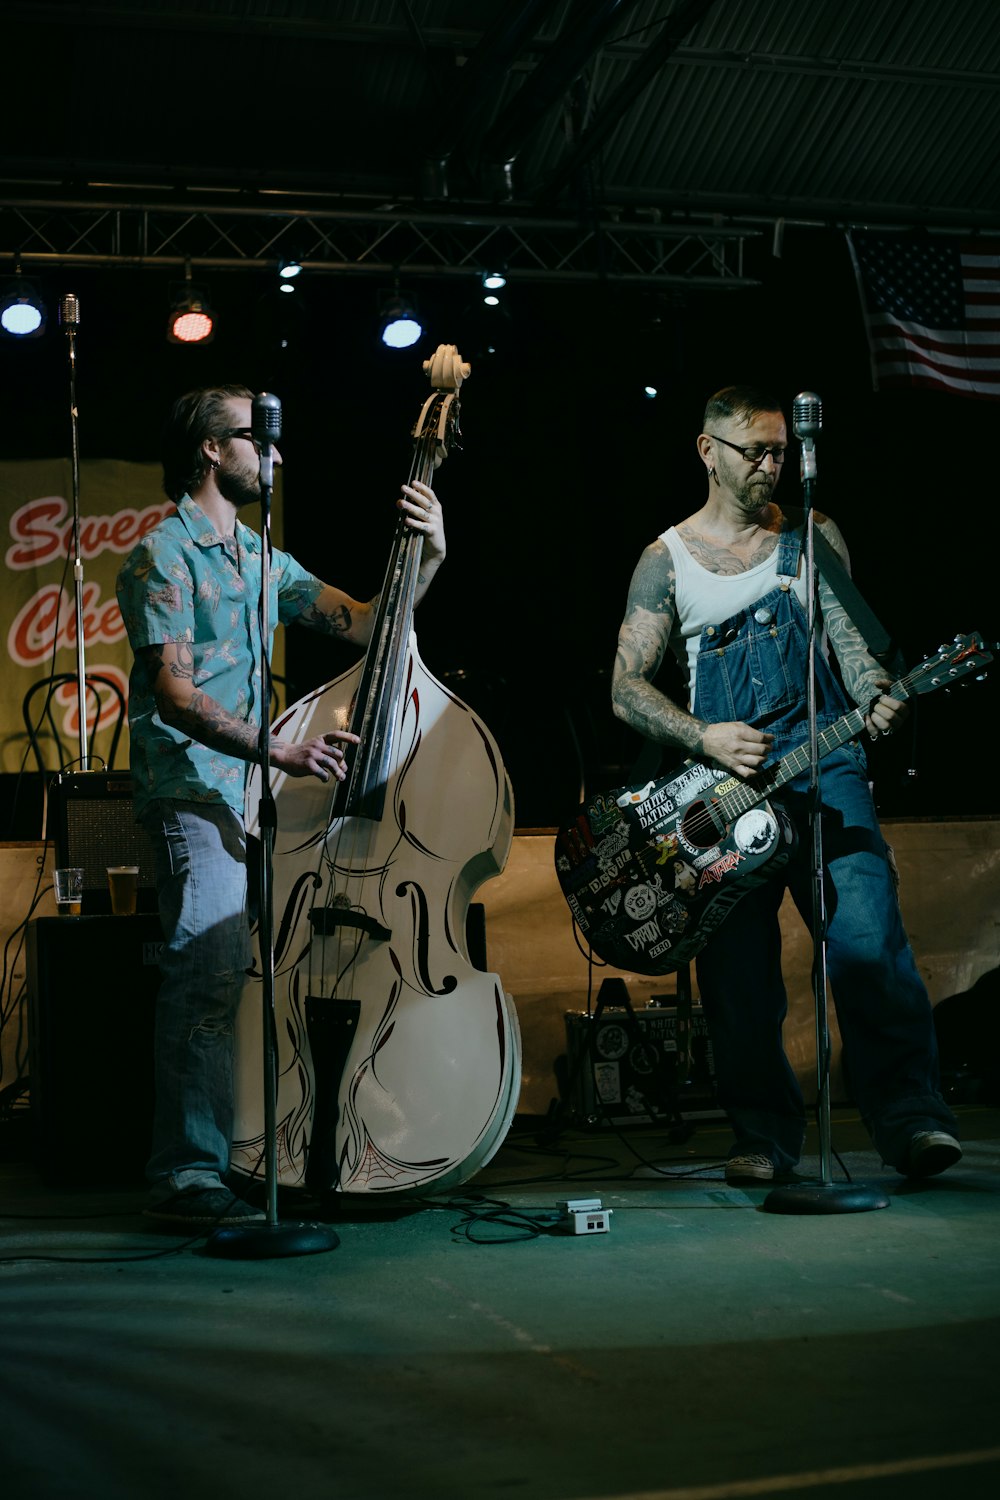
x=243, y=432
x=755, y=454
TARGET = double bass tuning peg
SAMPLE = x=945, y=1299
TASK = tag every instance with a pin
x=446, y=369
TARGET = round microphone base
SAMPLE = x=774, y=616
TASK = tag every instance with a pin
x=825, y=1198
x=270, y=1241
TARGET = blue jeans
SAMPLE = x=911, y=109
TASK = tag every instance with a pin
x=201, y=877
x=883, y=1009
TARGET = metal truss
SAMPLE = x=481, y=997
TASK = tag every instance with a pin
x=377, y=242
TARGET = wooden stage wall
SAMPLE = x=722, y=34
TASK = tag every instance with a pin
x=949, y=890
x=949, y=894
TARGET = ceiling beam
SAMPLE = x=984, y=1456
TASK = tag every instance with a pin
x=628, y=93
x=229, y=236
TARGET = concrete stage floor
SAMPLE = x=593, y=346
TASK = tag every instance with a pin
x=703, y=1348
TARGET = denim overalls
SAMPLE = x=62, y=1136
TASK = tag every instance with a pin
x=753, y=667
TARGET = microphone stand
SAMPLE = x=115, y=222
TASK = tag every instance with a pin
x=69, y=316
x=826, y=1196
x=270, y=1239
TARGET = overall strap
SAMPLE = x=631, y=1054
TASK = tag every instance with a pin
x=789, y=551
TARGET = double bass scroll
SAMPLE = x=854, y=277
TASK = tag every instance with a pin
x=398, y=1061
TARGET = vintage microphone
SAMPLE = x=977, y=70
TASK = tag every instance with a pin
x=270, y=1239
x=69, y=317
x=825, y=1197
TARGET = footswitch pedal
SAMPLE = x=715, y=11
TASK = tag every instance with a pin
x=583, y=1216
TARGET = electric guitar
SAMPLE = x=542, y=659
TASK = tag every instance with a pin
x=650, y=872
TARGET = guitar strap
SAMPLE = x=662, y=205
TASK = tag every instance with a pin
x=877, y=638
x=879, y=642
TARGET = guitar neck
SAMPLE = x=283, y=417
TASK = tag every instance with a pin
x=753, y=793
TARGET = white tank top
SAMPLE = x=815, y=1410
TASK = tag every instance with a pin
x=704, y=598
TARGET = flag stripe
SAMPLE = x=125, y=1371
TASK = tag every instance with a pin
x=961, y=340
x=911, y=375
x=888, y=363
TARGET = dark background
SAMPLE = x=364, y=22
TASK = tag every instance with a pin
x=567, y=470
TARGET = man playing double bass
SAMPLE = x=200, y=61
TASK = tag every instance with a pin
x=724, y=590
x=189, y=595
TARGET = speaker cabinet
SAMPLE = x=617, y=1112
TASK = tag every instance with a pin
x=92, y=824
x=634, y=1068
x=92, y=984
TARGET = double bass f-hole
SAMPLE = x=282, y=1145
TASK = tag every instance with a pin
x=399, y=1060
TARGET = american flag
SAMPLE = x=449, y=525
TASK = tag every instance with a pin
x=932, y=305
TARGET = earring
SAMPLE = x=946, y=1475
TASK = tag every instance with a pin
x=213, y=463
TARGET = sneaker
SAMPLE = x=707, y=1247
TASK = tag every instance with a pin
x=204, y=1207
x=749, y=1166
x=930, y=1152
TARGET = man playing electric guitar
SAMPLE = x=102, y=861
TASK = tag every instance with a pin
x=725, y=590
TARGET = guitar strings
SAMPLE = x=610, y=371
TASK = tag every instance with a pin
x=700, y=818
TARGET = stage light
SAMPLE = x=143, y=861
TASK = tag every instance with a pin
x=280, y=321
x=492, y=282
x=22, y=311
x=651, y=392
x=400, y=325
x=191, y=319
x=289, y=269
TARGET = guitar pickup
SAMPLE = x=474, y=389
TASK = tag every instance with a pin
x=326, y=920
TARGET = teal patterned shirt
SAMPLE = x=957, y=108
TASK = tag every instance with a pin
x=184, y=582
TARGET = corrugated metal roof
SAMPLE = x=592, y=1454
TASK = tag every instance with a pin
x=843, y=110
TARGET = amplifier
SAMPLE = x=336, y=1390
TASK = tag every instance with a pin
x=634, y=1067
x=91, y=823
x=92, y=984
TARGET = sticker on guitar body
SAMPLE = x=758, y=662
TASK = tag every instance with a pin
x=755, y=831
x=648, y=805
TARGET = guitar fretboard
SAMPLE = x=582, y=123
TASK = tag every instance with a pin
x=753, y=793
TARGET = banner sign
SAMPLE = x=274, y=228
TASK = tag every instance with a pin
x=119, y=503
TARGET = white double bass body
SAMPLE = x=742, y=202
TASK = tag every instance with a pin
x=397, y=1061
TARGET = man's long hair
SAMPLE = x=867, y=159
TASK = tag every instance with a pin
x=199, y=415
x=744, y=402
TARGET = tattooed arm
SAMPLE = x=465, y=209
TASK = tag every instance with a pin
x=186, y=707
x=642, y=642
x=864, y=677
x=336, y=613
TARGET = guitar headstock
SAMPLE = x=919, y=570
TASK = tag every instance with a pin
x=964, y=657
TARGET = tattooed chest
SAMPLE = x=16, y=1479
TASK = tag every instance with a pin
x=729, y=558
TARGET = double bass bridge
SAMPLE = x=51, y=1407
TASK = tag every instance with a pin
x=327, y=920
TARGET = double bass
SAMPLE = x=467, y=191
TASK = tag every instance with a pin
x=398, y=1062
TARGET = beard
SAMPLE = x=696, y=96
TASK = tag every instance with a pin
x=752, y=493
x=755, y=493
x=239, y=485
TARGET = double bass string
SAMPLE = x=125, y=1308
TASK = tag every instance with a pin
x=351, y=847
